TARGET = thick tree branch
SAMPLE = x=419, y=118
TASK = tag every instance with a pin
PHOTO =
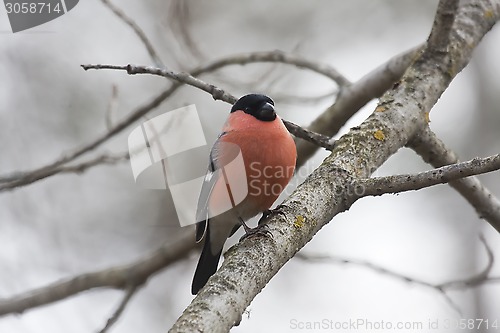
x=435, y=152
x=120, y=277
x=401, y=113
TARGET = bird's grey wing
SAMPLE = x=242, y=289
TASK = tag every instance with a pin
x=206, y=190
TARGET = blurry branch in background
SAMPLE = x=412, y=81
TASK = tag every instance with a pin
x=121, y=307
x=137, y=30
x=434, y=151
x=23, y=178
x=179, y=20
x=112, y=106
x=283, y=58
x=475, y=280
x=126, y=277
x=283, y=98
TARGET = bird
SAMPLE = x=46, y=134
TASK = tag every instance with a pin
x=254, y=132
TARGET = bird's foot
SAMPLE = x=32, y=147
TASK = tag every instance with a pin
x=269, y=212
x=260, y=230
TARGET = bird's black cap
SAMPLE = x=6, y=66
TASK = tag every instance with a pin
x=257, y=105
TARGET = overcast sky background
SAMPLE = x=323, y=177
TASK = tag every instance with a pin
x=70, y=224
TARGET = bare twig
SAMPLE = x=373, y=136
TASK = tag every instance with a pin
x=409, y=182
x=290, y=99
x=138, y=31
x=120, y=277
x=435, y=152
x=469, y=282
x=179, y=19
x=121, y=307
x=477, y=279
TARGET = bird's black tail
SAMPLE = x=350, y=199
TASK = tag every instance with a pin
x=207, y=265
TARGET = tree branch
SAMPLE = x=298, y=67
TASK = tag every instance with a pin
x=278, y=56
x=440, y=34
x=120, y=277
x=121, y=307
x=434, y=151
x=250, y=265
x=409, y=182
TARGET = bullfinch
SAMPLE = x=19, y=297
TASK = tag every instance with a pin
x=254, y=133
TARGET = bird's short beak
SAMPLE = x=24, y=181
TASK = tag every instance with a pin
x=267, y=112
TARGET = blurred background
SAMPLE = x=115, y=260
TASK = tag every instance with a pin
x=74, y=223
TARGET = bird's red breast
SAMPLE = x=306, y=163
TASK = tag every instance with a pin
x=269, y=155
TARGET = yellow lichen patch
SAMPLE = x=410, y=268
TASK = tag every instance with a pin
x=379, y=135
x=427, y=117
x=299, y=221
x=489, y=14
x=380, y=108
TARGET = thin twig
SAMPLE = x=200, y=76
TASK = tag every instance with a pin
x=138, y=31
x=121, y=307
x=179, y=18
x=28, y=177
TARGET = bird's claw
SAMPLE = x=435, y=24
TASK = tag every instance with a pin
x=269, y=212
x=260, y=230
